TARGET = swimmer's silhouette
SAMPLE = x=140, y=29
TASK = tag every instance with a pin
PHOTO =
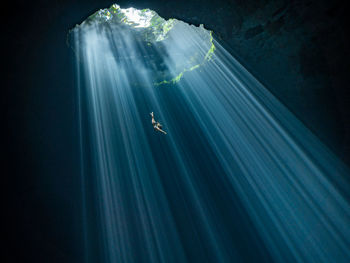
x=156, y=125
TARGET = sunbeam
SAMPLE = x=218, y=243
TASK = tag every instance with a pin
x=237, y=178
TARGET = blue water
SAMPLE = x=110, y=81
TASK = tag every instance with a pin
x=237, y=178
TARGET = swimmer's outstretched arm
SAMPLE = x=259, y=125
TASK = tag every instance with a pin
x=160, y=130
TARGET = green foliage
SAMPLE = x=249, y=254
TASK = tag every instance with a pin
x=152, y=29
x=207, y=57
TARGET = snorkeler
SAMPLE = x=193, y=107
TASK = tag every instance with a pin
x=156, y=125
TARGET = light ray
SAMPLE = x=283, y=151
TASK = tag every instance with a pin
x=237, y=178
